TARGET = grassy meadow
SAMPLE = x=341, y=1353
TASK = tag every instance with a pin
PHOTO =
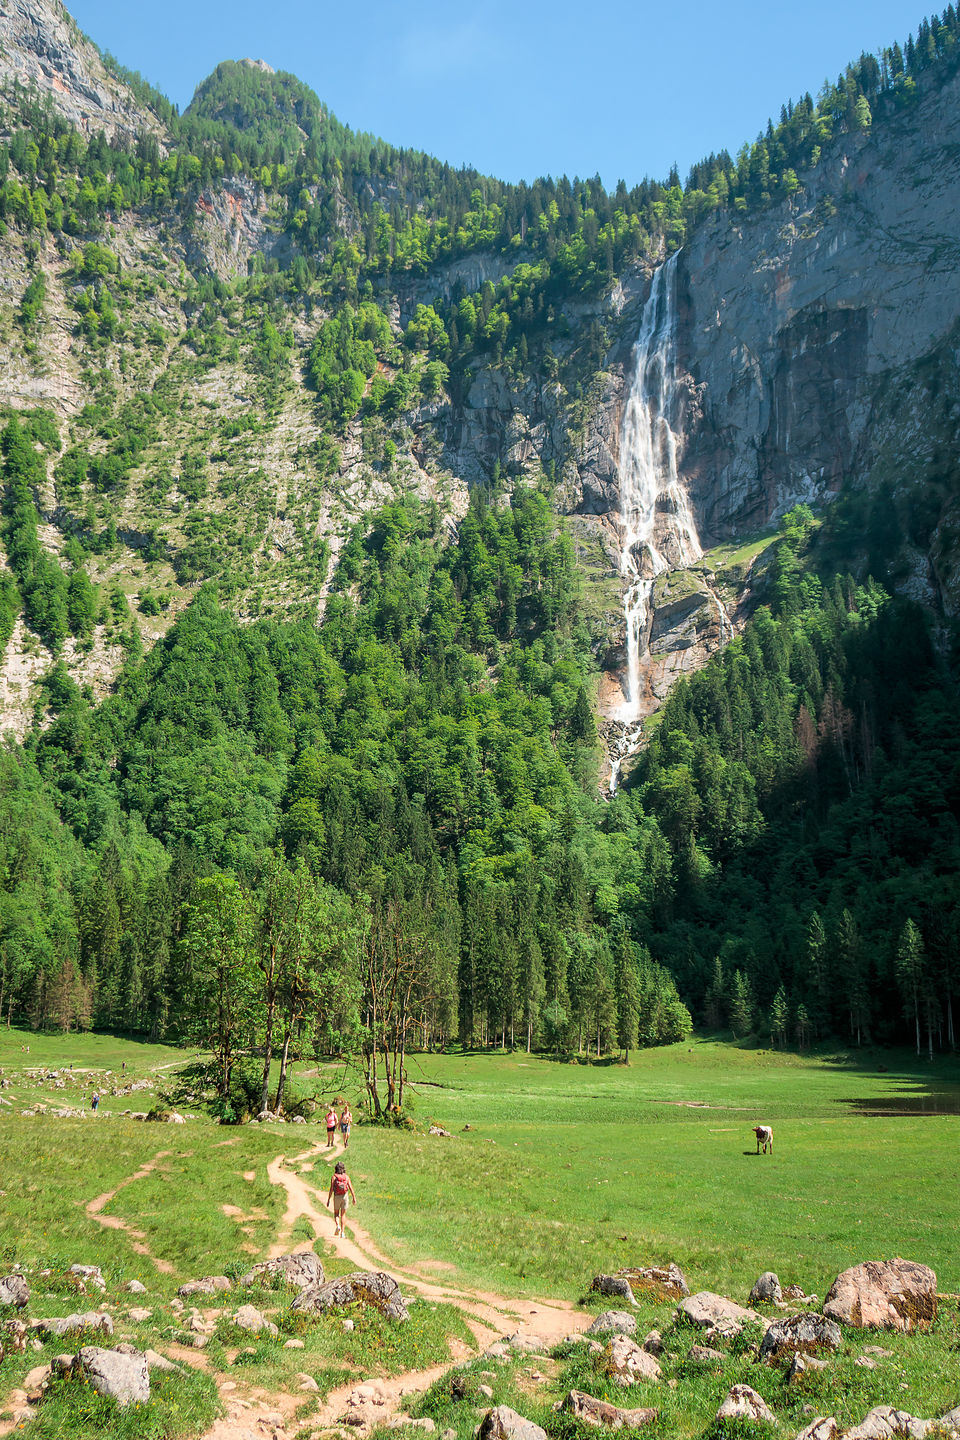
x=553, y=1172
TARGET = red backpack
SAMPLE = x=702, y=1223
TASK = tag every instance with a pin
x=340, y=1183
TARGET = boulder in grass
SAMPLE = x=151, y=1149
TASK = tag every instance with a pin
x=743, y=1403
x=89, y=1275
x=619, y=1322
x=248, y=1317
x=369, y=1287
x=885, y=1295
x=799, y=1335
x=951, y=1421
x=121, y=1377
x=705, y=1355
x=13, y=1336
x=14, y=1291
x=825, y=1427
x=717, y=1315
x=659, y=1282
x=300, y=1271
x=602, y=1413
x=616, y=1285
x=65, y=1324
x=209, y=1285
x=802, y=1364
x=767, y=1290
x=885, y=1422
x=627, y=1363
x=502, y=1423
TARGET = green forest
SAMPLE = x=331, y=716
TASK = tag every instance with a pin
x=272, y=821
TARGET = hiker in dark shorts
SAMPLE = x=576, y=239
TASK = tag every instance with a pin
x=340, y=1188
x=346, y=1120
x=331, y=1118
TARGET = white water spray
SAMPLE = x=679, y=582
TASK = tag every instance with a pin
x=657, y=528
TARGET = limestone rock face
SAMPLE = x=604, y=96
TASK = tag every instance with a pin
x=502, y=1423
x=41, y=46
x=887, y=1295
x=799, y=1335
x=122, y=1377
x=300, y=1270
x=602, y=1413
x=372, y=1287
x=716, y=1314
x=743, y=1403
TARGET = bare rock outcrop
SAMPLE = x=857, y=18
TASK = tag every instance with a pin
x=717, y=1315
x=743, y=1403
x=799, y=1335
x=502, y=1423
x=626, y=1362
x=14, y=1291
x=369, y=1287
x=300, y=1270
x=884, y=1294
x=602, y=1413
x=209, y=1285
x=767, y=1290
x=123, y=1377
x=619, y=1322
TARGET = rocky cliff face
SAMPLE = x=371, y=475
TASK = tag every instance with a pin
x=41, y=48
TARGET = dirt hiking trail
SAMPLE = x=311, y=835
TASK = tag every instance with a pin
x=95, y=1207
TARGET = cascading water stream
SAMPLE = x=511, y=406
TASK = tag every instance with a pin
x=657, y=528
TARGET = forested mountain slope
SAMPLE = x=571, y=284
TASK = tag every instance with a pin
x=314, y=469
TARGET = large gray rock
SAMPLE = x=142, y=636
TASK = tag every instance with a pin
x=743, y=1403
x=616, y=1285
x=209, y=1285
x=885, y=1422
x=660, y=1282
x=601, y=1412
x=617, y=1321
x=767, y=1290
x=14, y=1291
x=121, y=1377
x=248, y=1317
x=716, y=1314
x=804, y=1334
x=628, y=1363
x=370, y=1287
x=502, y=1423
x=66, y=1324
x=884, y=1294
x=300, y=1271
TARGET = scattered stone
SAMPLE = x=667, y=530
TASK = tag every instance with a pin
x=502, y=1423
x=14, y=1333
x=794, y=1292
x=802, y=1364
x=526, y=1344
x=626, y=1363
x=716, y=1314
x=617, y=1285
x=300, y=1270
x=877, y=1350
x=209, y=1285
x=884, y=1422
x=248, y=1317
x=349, y=1326
x=267, y=1117
x=660, y=1283
x=64, y=1324
x=704, y=1355
x=889, y=1295
x=799, y=1334
x=767, y=1290
x=653, y=1343
x=743, y=1403
x=951, y=1421
x=35, y=1382
x=407, y=1422
x=121, y=1377
x=138, y=1315
x=14, y=1291
x=865, y=1362
x=370, y=1287
x=133, y=1287
x=825, y=1427
x=89, y=1275
x=293, y=1345
x=439, y=1130
x=601, y=1412
x=617, y=1321
x=307, y=1382
x=156, y=1361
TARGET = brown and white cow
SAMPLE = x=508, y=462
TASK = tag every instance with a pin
x=764, y=1134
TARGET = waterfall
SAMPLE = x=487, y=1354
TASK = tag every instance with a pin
x=656, y=527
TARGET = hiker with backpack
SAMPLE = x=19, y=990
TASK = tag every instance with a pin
x=340, y=1188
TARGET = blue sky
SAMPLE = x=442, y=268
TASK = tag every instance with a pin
x=624, y=88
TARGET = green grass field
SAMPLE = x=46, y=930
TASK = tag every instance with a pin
x=564, y=1170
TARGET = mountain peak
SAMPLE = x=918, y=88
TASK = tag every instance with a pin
x=259, y=65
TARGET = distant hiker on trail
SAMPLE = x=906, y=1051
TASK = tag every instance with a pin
x=94, y=1102
x=346, y=1120
x=331, y=1127
x=340, y=1188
